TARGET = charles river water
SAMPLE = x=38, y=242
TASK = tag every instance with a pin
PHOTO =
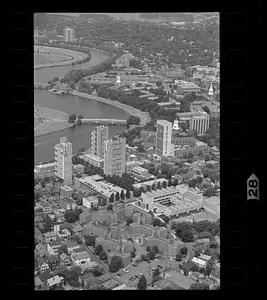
x=79, y=136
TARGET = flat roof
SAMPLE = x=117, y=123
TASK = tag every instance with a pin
x=92, y=156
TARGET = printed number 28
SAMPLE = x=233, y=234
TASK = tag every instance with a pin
x=253, y=188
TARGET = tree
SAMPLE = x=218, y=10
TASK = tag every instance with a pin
x=156, y=274
x=63, y=249
x=98, y=249
x=156, y=249
x=133, y=254
x=178, y=256
x=111, y=198
x=199, y=286
x=148, y=248
x=157, y=222
x=129, y=221
x=164, y=184
x=122, y=195
x=210, y=192
x=142, y=284
x=184, y=251
x=97, y=271
x=175, y=183
x=116, y=264
x=127, y=194
x=80, y=117
x=77, y=238
x=71, y=216
x=151, y=254
x=103, y=255
x=90, y=240
x=208, y=269
x=206, y=109
x=133, y=120
x=72, y=118
x=36, y=196
x=110, y=207
x=117, y=197
x=159, y=186
x=82, y=149
x=47, y=224
x=72, y=276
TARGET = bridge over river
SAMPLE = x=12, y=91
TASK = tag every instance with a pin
x=104, y=121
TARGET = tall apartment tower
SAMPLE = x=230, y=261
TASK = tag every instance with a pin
x=63, y=157
x=115, y=156
x=200, y=123
x=98, y=136
x=163, y=138
x=69, y=34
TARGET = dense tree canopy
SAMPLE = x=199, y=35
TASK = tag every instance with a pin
x=116, y=263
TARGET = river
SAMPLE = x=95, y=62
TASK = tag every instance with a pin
x=78, y=136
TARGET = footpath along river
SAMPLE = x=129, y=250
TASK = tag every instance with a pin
x=79, y=136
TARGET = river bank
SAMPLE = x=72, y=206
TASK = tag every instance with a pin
x=71, y=57
x=49, y=121
x=144, y=116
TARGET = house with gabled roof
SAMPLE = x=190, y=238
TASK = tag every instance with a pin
x=52, y=247
x=41, y=279
x=53, y=262
x=40, y=250
x=64, y=258
x=55, y=280
x=42, y=264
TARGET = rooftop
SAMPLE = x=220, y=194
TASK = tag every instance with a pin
x=66, y=188
x=179, y=279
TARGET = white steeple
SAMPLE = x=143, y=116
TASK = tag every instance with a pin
x=118, y=79
x=211, y=93
x=176, y=125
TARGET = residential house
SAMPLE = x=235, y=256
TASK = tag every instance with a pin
x=52, y=247
x=83, y=260
x=111, y=284
x=64, y=258
x=88, y=279
x=77, y=228
x=64, y=233
x=42, y=264
x=80, y=249
x=71, y=245
x=208, y=281
x=205, y=242
x=40, y=250
x=50, y=236
x=68, y=204
x=205, y=257
x=179, y=279
x=38, y=235
x=41, y=279
x=215, y=274
x=199, y=262
x=53, y=262
x=45, y=206
x=39, y=222
x=55, y=280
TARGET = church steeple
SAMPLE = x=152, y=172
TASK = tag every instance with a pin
x=211, y=92
x=176, y=125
